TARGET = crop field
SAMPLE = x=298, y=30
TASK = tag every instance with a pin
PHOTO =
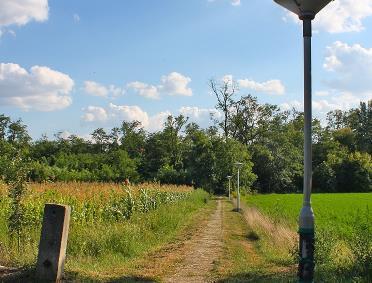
x=343, y=228
x=110, y=223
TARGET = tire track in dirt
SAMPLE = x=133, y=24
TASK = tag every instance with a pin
x=202, y=253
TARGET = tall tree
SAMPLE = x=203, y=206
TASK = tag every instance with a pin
x=224, y=91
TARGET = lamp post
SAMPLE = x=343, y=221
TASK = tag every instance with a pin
x=239, y=165
x=229, y=177
x=306, y=10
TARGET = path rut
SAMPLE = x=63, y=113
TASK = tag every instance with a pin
x=203, y=252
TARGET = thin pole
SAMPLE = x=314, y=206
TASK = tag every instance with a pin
x=306, y=220
x=229, y=188
x=238, y=200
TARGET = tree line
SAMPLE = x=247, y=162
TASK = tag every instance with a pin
x=266, y=139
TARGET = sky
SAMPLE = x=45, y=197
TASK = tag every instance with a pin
x=73, y=66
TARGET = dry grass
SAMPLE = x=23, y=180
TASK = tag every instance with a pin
x=280, y=235
x=243, y=261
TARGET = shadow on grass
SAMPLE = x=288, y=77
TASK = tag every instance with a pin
x=27, y=275
x=259, y=277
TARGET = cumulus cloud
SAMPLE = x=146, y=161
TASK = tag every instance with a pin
x=97, y=89
x=176, y=84
x=321, y=93
x=270, y=87
x=156, y=122
x=333, y=101
x=20, y=12
x=341, y=16
x=94, y=114
x=41, y=88
x=64, y=135
x=145, y=90
x=292, y=104
x=350, y=69
x=201, y=116
x=116, y=113
x=129, y=113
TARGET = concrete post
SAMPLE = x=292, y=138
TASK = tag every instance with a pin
x=53, y=242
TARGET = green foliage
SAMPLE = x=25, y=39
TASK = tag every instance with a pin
x=268, y=141
x=343, y=230
x=117, y=224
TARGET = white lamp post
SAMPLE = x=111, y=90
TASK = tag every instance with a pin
x=239, y=165
x=229, y=177
x=306, y=10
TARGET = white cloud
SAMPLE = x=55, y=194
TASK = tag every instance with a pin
x=129, y=113
x=322, y=93
x=65, y=135
x=270, y=87
x=156, y=122
x=94, y=114
x=201, y=116
x=175, y=84
x=341, y=16
x=135, y=113
x=291, y=104
x=333, y=101
x=41, y=88
x=349, y=67
x=349, y=70
x=227, y=78
x=145, y=90
x=117, y=113
x=20, y=12
x=97, y=89
x=344, y=16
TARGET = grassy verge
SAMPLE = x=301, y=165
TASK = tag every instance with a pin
x=109, y=251
x=243, y=260
x=343, y=232
x=106, y=249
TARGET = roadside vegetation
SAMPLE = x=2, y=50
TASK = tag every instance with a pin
x=343, y=232
x=110, y=223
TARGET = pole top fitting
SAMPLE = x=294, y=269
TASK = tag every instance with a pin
x=307, y=15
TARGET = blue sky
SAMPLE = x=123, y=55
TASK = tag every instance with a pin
x=72, y=66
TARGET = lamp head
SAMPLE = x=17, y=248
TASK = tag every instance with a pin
x=238, y=164
x=305, y=9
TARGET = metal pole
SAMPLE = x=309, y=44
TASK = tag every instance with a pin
x=238, y=200
x=306, y=220
x=229, y=188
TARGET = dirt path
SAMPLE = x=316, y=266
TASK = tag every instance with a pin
x=202, y=253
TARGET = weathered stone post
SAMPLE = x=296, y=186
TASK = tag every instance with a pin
x=53, y=242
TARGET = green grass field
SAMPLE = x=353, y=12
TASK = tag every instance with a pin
x=343, y=229
x=332, y=211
